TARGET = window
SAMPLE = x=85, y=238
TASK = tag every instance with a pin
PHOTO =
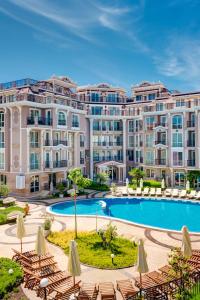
x=82, y=139
x=150, y=122
x=180, y=102
x=35, y=184
x=177, y=158
x=61, y=119
x=149, y=157
x=34, y=161
x=159, y=106
x=75, y=121
x=149, y=140
x=47, y=160
x=2, y=160
x=130, y=155
x=34, y=139
x=131, y=141
x=131, y=126
x=151, y=96
x=97, y=110
x=81, y=157
x=2, y=140
x=117, y=126
x=1, y=119
x=138, y=98
x=114, y=111
x=179, y=178
x=95, y=97
x=96, y=125
x=177, y=139
x=149, y=173
x=111, y=98
x=177, y=122
x=3, y=179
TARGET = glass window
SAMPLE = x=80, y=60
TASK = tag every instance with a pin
x=35, y=184
x=95, y=97
x=151, y=96
x=159, y=106
x=149, y=140
x=96, y=125
x=34, y=139
x=180, y=102
x=75, y=121
x=111, y=98
x=177, y=158
x=82, y=154
x=3, y=179
x=82, y=140
x=131, y=126
x=1, y=119
x=179, y=178
x=131, y=141
x=138, y=98
x=117, y=126
x=61, y=118
x=177, y=139
x=97, y=110
x=177, y=122
x=2, y=140
x=149, y=157
x=34, y=161
x=2, y=160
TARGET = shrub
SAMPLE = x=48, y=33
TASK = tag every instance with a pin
x=8, y=281
x=4, y=190
x=61, y=187
x=98, y=187
x=108, y=235
x=152, y=183
x=6, y=211
x=47, y=224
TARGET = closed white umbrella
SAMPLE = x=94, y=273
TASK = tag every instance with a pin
x=141, y=183
x=186, y=242
x=40, y=246
x=141, y=266
x=21, y=232
x=127, y=182
x=74, y=267
x=187, y=185
x=163, y=184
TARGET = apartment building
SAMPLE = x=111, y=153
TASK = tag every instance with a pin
x=49, y=127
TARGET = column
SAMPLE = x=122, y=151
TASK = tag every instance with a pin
x=28, y=150
x=124, y=148
x=91, y=149
x=76, y=154
x=42, y=149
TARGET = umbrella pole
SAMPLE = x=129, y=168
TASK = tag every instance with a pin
x=39, y=262
x=140, y=285
x=74, y=284
x=21, y=245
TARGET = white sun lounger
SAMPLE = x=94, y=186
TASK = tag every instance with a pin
x=175, y=193
x=168, y=192
x=146, y=191
x=183, y=194
x=192, y=194
x=158, y=192
x=131, y=192
x=139, y=191
x=197, y=196
x=152, y=192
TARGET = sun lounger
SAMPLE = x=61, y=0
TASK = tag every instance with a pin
x=168, y=192
x=131, y=192
x=152, y=192
x=12, y=216
x=183, y=194
x=158, y=192
x=126, y=289
x=125, y=192
x=197, y=196
x=88, y=291
x=138, y=191
x=175, y=193
x=146, y=191
x=107, y=291
x=65, y=289
x=192, y=194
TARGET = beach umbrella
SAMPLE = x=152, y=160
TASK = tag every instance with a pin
x=186, y=242
x=127, y=182
x=163, y=184
x=40, y=245
x=141, y=265
x=21, y=232
x=141, y=183
x=187, y=185
x=74, y=267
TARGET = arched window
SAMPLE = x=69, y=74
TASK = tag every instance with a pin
x=177, y=122
x=61, y=118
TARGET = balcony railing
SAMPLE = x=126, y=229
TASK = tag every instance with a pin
x=162, y=142
x=82, y=161
x=160, y=162
x=107, y=144
x=82, y=143
x=177, y=126
x=162, y=124
x=47, y=164
x=150, y=162
x=190, y=123
x=149, y=127
x=47, y=143
x=60, y=164
x=108, y=158
x=62, y=122
x=34, y=145
x=191, y=163
x=191, y=143
x=34, y=166
x=39, y=121
x=178, y=163
x=104, y=128
x=59, y=142
x=75, y=124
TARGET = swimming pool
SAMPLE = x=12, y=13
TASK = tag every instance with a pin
x=160, y=213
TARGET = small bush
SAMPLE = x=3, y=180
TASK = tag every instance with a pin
x=152, y=183
x=98, y=187
x=6, y=211
x=8, y=281
x=47, y=224
x=4, y=190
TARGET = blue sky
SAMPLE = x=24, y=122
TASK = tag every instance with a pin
x=122, y=42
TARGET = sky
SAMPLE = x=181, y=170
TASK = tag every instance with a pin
x=120, y=42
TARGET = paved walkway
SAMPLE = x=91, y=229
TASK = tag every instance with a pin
x=157, y=243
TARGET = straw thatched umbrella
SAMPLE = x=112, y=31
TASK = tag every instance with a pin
x=186, y=243
x=163, y=184
x=74, y=267
x=40, y=246
x=21, y=232
x=141, y=266
x=141, y=183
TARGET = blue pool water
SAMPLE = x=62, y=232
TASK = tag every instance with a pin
x=166, y=214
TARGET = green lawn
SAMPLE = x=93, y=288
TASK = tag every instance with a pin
x=92, y=253
x=6, y=211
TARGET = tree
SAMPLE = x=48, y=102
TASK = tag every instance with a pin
x=108, y=235
x=102, y=178
x=4, y=190
x=137, y=174
x=192, y=176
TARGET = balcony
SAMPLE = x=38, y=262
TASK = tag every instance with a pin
x=59, y=142
x=190, y=124
x=191, y=143
x=178, y=163
x=177, y=126
x=191, y=163
x=34, y=166
x=149, y=127
x=34, y=145
x=162, y=124
x=160, y=162
x=62, y=123
x=107, y=144
x=75, y=124
x=82, y=144
x=108, y=158
x=39, y=121
x=47, y=164
x=47, y=143
x=162, y=142
x=82, y=161
x=60, y=164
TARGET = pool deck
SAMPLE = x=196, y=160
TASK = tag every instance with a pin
x=157, y=242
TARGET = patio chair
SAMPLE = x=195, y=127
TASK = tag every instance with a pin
x=125, y=287
x=192, y=194
x=88, y=291
x=183, y=194
x=125, y=191
x=138, y=191
x=158, y=192
x=175, y=193
x=107, y=291
x=152, y=192
x=146, y=191
x=30, y=256
x=197, y=195
x=131, y=192
x=168, y=192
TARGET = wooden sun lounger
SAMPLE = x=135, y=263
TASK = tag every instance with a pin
x=42, y=273
x=30, y=256
x=88, y=291
x=126, y=289
x=107, y=291
x=65, y=289
x=37, y=265
x=168, y=192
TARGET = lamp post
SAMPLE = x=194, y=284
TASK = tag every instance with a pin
x=10, y=271
x=43, y=284
x=112, y=257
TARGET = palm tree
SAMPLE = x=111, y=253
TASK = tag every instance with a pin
x=136, y=174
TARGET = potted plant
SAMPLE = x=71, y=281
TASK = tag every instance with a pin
x=26, y=209
x=113, y=189
x=61, y=189
x=47, y=226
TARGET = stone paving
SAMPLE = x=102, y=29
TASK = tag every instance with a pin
x=157, y=243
